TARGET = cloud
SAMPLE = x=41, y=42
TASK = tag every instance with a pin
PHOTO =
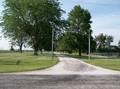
x=107, y=24
x=106, y=21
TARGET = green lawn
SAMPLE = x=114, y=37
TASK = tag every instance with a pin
x=111, y=63
x=17, y=62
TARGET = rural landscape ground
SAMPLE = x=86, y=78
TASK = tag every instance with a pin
x=69, y=73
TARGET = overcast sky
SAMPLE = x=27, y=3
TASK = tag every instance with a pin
x=105, y=16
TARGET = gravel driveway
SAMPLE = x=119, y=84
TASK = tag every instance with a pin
x=68, y=65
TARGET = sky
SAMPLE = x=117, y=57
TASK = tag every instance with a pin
x=105, y=17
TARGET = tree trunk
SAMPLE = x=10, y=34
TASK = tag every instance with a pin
x=41, y=50
x=35, y=52
x=35, y=49
x=21, y=47
x=87, y=51
x=79, y=51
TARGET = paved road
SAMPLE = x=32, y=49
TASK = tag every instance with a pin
x=59, y=81
x=70, y=73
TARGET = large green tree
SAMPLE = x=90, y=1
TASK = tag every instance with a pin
x=68, y=42
x=33, y=17
x=79, y=24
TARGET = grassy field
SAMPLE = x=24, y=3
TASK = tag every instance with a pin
x=17, y=62
x=111, y=62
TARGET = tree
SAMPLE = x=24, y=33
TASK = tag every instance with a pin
x=19, y=39
x=46, y=41
x=33, y=17
x=109, y=39
x=11, y=49
x=16, y=36
x=85, y=46
x=119, y=44
x=79, y=20
x=93, y=44
x=103, y=41
x=11, y=24
x=66, y=42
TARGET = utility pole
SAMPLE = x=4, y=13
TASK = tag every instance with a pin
x=89, y=45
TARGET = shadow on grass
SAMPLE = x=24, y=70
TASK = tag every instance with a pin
x=11, y=63
x=18, y=62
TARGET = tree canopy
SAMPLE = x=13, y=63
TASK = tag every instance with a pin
x=35, y=18
x=79, y=24
x=77, y=31
x=31, y=22
x=103, y=41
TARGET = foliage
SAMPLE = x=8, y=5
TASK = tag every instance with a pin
x=79, y=25
x=68, y=42
x=35, y=18
x=119, y=44
x=103, y=42
x=11, y=49
x=76, y=34
x=109, y=39
x=16, y=36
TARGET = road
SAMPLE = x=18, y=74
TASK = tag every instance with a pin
x=59, y=82
x=70, y=73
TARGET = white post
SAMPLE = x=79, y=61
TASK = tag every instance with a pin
x=89, y=45
x=52, y=44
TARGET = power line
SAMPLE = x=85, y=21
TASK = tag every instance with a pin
x=90, y=3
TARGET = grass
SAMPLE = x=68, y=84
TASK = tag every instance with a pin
x=112, y=62
x=17, y=62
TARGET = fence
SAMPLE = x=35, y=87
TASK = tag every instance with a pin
x=107, y=55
